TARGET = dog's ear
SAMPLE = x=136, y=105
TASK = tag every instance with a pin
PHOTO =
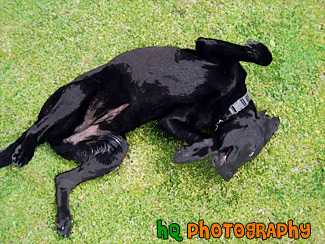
x=261, y=114
x=196, y=151
x=268, y=124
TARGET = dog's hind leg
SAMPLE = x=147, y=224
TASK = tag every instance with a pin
x=253, y=51
x=6, y=155
x=56, y=116
x=98, y=155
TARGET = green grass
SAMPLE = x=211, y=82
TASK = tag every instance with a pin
x=44, y=45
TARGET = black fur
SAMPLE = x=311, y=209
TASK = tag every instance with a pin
x=184, y=89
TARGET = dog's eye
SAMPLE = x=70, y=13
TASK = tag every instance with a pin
x=251, y=154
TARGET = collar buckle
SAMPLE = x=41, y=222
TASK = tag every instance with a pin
x=240, y=104
x=236, y=107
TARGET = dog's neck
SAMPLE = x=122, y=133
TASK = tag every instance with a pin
x=235, y=108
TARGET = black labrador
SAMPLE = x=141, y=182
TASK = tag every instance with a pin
x=184, y=89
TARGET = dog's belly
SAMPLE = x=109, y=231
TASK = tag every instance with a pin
x=145, y=84
x=120, y=119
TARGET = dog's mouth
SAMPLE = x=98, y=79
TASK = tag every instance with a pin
x=225, y=157
x=221, y=159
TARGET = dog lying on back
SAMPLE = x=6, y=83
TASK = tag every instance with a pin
x=183, y=89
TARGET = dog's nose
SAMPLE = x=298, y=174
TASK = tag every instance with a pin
x=218, y=161
x=228, y=176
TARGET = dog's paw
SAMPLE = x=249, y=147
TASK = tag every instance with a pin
x=258, y=52
x=195, y=151
x=5, y=157
x=22, y=155
x=6, y=154
x=64, y=224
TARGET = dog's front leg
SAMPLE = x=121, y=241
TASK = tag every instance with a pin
x=253, y=51
x=181, y=124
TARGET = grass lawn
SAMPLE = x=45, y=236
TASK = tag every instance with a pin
x=45, y=44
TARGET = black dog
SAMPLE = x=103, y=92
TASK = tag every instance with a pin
x=86, y=120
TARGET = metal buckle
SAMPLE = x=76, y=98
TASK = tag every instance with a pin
x=217, y=124
x=233, y=110
x=236, y=107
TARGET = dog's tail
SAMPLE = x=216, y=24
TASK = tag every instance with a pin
x=104, y=148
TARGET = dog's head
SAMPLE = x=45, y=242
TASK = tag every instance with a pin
x=242, y=140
